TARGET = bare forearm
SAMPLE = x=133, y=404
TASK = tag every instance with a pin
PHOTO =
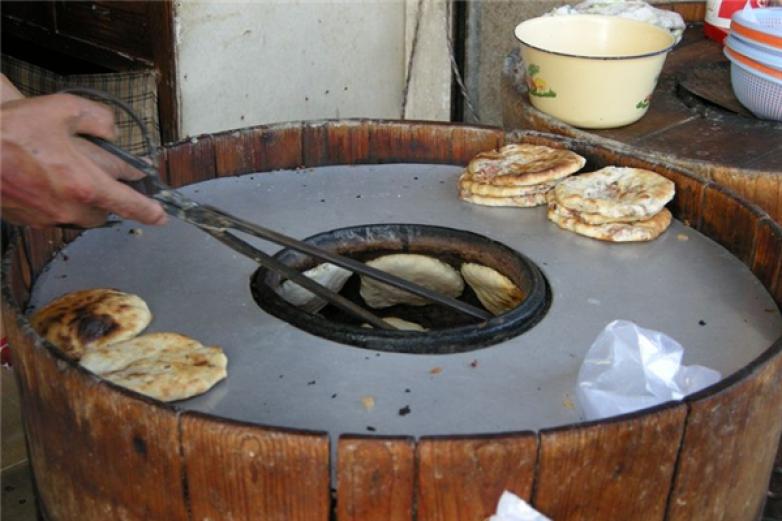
x=49, y=175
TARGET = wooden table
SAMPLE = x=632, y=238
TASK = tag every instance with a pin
x=737, y=151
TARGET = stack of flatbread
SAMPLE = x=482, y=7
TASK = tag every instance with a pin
x=516, y=175
x=613, y=204
x=99, y=328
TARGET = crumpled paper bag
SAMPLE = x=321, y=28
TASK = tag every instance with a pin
x=629, y=368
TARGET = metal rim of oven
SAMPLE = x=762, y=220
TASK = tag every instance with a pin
x=412, y=238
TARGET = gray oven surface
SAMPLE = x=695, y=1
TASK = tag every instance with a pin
x=682, y=284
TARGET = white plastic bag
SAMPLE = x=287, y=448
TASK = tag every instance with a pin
x=512, y=508
x=630, y=368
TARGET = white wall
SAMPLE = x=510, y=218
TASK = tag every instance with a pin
x=241, y=64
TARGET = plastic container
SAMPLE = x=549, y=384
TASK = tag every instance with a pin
x=757, y=86
x=718, y=16
x=592, y=71
x=772, y=59
x=759, y=26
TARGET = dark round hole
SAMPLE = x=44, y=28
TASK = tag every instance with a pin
x=449, y=331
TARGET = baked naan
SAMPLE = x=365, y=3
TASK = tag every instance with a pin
x=468, y=186
x=635, y=231
x=496, y=292
x=519, y=201
x=329, y=275
x=91, y=318
x=421, y=269
x=523, y=165
x=618, y=193
x=165, y=366
x=400, y=324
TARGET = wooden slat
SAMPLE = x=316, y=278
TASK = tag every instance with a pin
x=763, y=188
x=375, y=479
x=121, y=26
x=191, y=162
x=461, y=479
x=258, y=149
x=343, y=143
x=690, y=11
x=774, y=504
x=234, y=152
x=745, y=141
x=410, y=142
x=767, y=261
x=769, y=161
x=466, y=142
x=20, y=275
x=161, y=20
x=277, y=147
x=41, y=246
x=618, y=470
x=687, y=203
x=728, y=449
x=246, y=472
x=96, y=454
x=728, y=222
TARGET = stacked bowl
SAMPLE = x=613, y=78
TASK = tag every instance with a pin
x=754, y=48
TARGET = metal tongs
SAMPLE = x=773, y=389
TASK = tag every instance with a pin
x=220, y=225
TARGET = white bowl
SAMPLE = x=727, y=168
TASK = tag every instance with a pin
x=592, y=71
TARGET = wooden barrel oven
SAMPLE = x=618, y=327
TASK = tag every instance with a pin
x=99, y=452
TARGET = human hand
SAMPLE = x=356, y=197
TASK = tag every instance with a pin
x=50, y=176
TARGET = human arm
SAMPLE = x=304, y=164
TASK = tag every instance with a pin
x=51, y=176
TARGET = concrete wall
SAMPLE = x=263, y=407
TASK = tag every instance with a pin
x=489, y=40
x=241, y=64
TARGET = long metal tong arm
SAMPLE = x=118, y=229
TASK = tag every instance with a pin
x=350, y=264
x=273, y=264
x=207, y=217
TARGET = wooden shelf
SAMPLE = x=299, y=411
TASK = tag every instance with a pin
x=738, y=151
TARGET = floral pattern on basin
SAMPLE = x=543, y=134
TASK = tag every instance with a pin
x=644, y=103
x=537, y=86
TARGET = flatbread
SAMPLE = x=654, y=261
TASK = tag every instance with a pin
x=404, y=325
x=636, y=231
x=521, y=201
x=468, y=185
x=496, y=292
x=523, y=165
x=616, y=192
x=93, y=317
x=400, y=324
x=165, y=366
x=596, y=218
x=424, y=270
x=328, y=275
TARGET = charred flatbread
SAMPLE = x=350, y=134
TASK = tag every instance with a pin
x=635, y=231
x=91, y=318
x=523, y=165
x=422, y=269
x=617, y=193
x=165, y=366
x=496, y=292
